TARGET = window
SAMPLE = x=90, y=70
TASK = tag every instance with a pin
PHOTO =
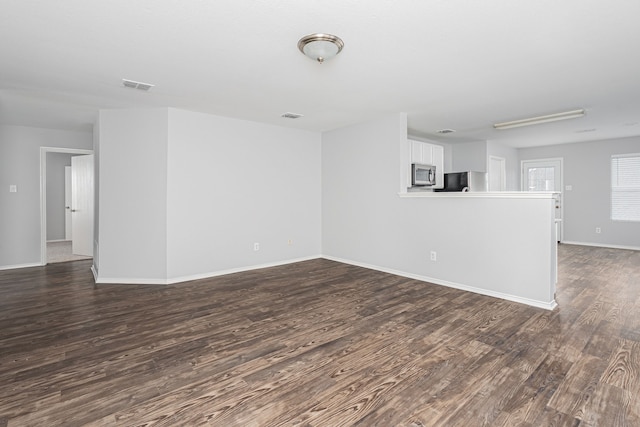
x=541, y=179
x=625, y=187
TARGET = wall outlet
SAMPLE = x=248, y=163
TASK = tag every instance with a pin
x=13, y=188
x=434, y=256
x=598, y=230
x=256, y=246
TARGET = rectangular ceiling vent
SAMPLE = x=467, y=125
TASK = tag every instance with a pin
x=136, y=85
x=291, y=115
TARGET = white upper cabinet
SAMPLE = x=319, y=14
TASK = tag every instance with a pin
x=437, y=157
x=428, y=154
x=420, y=152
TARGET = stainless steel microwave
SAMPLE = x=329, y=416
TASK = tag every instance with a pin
x=423, y=175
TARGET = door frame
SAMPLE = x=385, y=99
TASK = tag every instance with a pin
x=523, y=183
x=67, y=203
x=503, y=172
x=43, y=193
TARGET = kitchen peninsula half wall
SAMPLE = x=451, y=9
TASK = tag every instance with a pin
x=497, y=244
x=503, y=243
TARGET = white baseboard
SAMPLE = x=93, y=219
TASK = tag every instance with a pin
x=143, y=281
x=199, y=276
x=128, y=281
x=11, y=267
x=238, y=270
x=602, y=245
x=534, y=303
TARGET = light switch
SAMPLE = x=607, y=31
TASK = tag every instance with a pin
x=568, y=187
x=13, y=188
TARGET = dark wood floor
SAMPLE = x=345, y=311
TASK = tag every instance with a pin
x=320, y=343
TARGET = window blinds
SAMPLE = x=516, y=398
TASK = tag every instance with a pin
x=625, y=187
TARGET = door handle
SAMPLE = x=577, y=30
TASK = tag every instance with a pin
x=73, y=210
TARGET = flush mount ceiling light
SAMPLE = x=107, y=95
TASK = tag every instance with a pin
x=540, y=119
x=320, y=47
x=291, y=115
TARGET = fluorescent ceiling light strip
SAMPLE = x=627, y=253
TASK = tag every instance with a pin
x=541, y=119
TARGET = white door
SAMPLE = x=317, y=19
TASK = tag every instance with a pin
x=545, y=175
x=82, y=205
x=497, y=174
x=67, y=203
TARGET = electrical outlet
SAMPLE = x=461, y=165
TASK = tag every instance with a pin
x=434, y=256
x=13, y=188
x=256, y=246
x=598, y=230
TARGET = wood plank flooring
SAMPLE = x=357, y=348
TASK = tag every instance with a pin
x=319, y=343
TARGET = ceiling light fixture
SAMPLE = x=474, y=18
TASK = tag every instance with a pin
x=288, y=115
x=541, y=119
x=320, y=47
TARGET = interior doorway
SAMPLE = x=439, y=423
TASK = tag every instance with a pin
x=497, y=174
x=545, y=175
x=60, y=249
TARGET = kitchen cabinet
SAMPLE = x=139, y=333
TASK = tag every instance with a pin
x=420, y=152
x=428, y=154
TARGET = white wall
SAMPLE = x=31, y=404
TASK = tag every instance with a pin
x=496, y=246
x=233, y=183
x=185, y=195
x=132, y=195
x=448, y=157
x=587, y=169
x=469, y=156
x=20, y=165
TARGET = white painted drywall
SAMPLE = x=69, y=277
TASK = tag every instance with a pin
x=233, y=183
x=587, y=169
x=502, y=246
x=448, y=157
x=132, y=193
x=20, y=166
x=469, y=156
x=185, y=195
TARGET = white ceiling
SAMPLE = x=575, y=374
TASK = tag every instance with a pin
x=459, y=64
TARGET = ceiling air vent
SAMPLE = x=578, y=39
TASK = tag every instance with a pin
x=136, y=85
x=444, y=131
x=291, y=115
